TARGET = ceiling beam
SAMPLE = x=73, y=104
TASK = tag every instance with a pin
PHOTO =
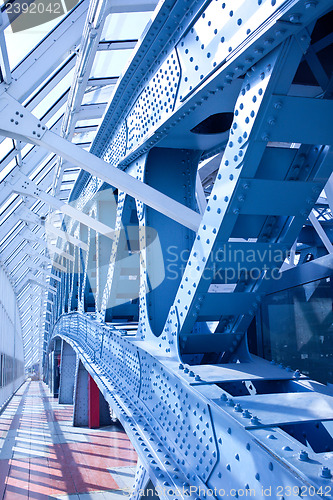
x=102, y=82
x=48, y=55
x=321, y=233
x=127, y=6
x=24, y=186
x=18, y=123
x=88, y=47
x=4, y=61
x=117, y=44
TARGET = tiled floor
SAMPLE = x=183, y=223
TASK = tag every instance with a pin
x=42, y=456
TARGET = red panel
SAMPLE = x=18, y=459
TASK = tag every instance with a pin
x=93, y=402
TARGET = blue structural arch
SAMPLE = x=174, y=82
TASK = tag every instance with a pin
x=206, y=417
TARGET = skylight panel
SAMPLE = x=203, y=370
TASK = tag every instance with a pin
x=10, y=212
x=19, y=264
x=56, y=116
x=21, y=43
x=7, y=203
x=50, y=82
x=106, y=63
x=8, y=238
x=54, y=95
x=87, y=123
x=101, y=94
x=5, y=147
x=26, y=150
x=15, y=252
x=83, y=137
x=7, y=170
x=70, y=177
x=40, y=166
x=125, y=26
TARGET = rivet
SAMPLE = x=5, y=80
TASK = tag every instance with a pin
x=303, y=456
x=326, y=473
x=294, y=18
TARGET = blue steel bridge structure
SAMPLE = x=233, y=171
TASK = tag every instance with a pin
x=206, y=187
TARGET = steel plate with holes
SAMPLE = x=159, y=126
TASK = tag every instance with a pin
x=254, y=370
x=278, y=409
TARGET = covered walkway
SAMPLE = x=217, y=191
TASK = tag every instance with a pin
x=42, y=456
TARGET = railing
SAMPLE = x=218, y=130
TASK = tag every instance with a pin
x=203, y=428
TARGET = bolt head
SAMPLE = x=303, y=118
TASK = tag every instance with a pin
x=326, y=473
x=303, y=456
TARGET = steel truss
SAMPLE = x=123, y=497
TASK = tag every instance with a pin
x=204, y=415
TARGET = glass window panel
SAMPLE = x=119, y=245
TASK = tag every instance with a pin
x=101, y=94
x=125, y=26
x=5, y=147
x=69, y=177
x=108, y=63
x=6, y=204
x=87, y=123
x=83, y=137
x=10, y=211
x=26, y=149
x=56, y=116
x=40, y=166
x=297, y=329
x=20, y=43
x=53, y=96
x=11, y=234
x=5, y=171
x=47, y=81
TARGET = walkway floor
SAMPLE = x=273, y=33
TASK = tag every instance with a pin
x=42, y=456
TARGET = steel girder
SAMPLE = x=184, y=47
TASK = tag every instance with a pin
x=191, y=437
x=201, y=411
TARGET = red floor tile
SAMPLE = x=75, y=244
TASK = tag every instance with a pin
x=66, y=468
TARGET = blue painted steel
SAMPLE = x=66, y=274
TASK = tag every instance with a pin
x=190, y=432
x=174, y=364
x=67, y=374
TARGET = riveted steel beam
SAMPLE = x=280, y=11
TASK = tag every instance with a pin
x=24, y=186
x=321, y=233
x=139, y=395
